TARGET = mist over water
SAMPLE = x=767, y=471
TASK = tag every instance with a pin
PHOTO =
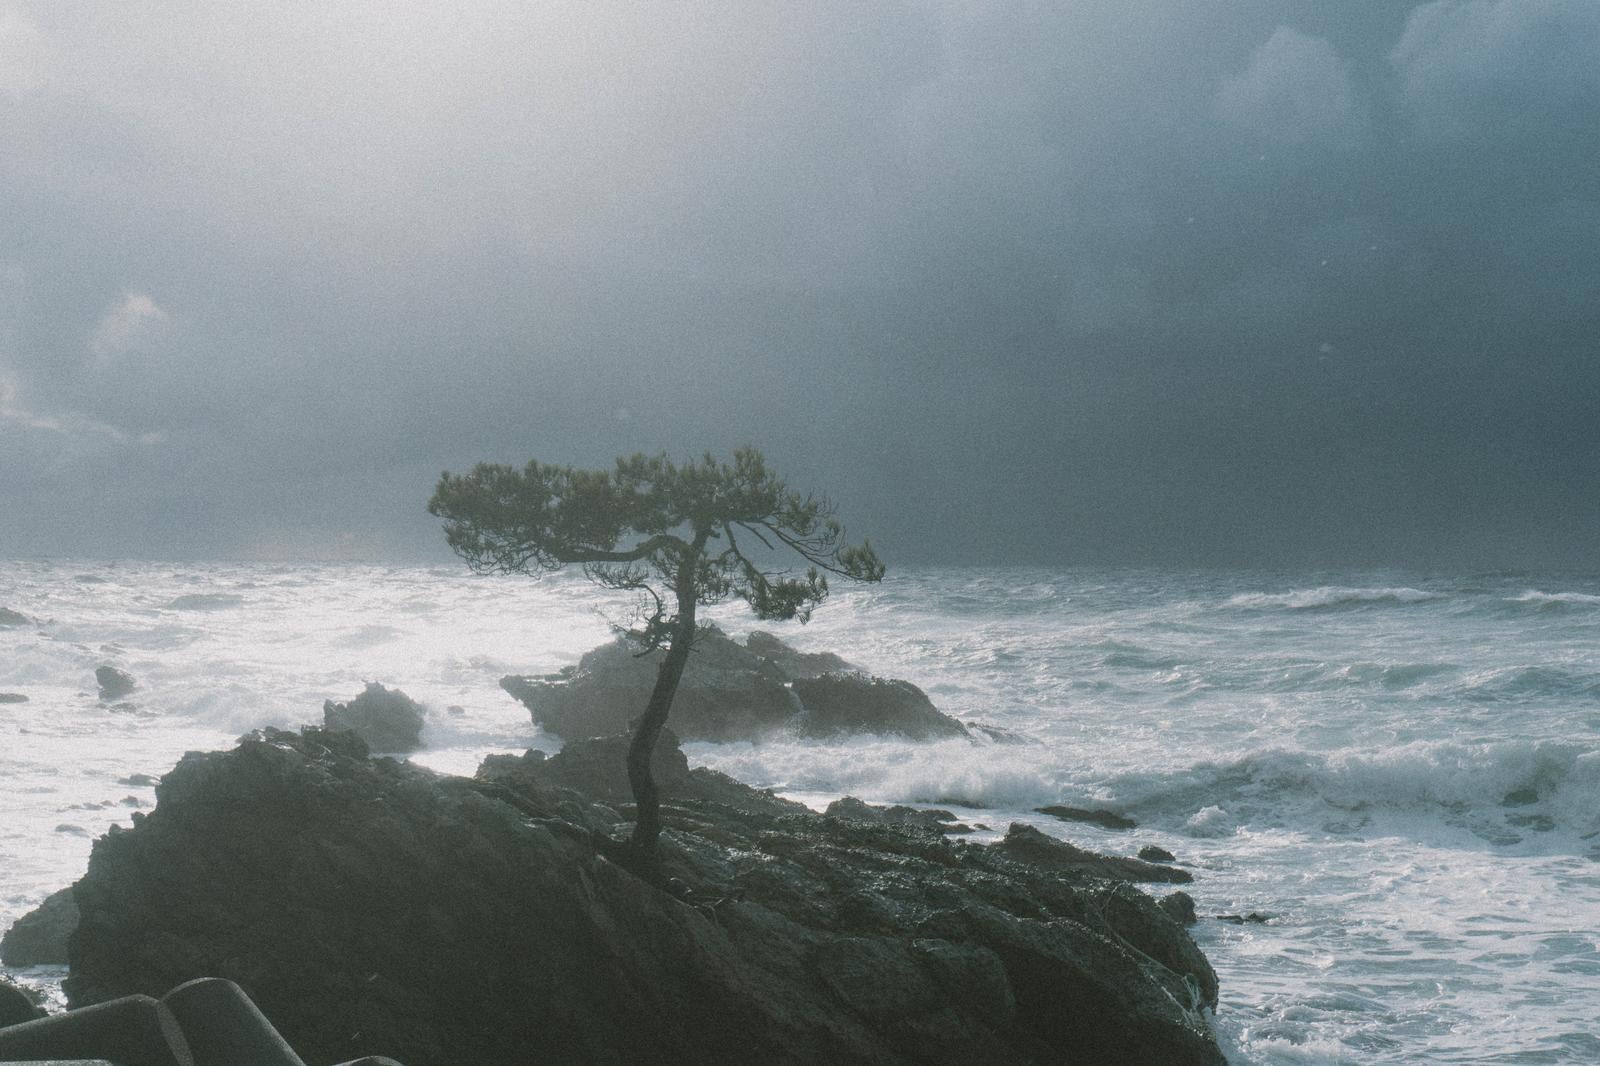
x=1402, y=769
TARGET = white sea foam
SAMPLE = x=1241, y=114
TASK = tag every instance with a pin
x=1329, y=596
x=1402, y=770
x=1559, y=599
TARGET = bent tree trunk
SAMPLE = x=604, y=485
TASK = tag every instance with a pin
x=646, y=797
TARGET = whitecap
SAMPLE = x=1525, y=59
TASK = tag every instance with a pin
x=1330, y=596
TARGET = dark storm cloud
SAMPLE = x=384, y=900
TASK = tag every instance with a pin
x=1265, y=282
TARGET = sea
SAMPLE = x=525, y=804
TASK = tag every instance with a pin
x=1399, y=771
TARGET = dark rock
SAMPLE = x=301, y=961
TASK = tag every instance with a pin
x=9, y=618
x=836, y=704
x=137, y=780
x=1103, y=819
x=16, y=1006
x=114, y=683
x=455, y=711
x=39, y=938
x=794, y=664
x=1179, y=907
x=597, y=769
x=1145, y=924
x=729, y=692
x=1151, y=853
x=387, y=719
x=940, y=821
x=372, y=907
x=1026, y=844
x=1253, y=918
x=12, y=697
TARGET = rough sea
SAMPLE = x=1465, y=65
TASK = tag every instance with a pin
x=1401, y=770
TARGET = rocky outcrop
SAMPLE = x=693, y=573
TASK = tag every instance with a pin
x=39, y=938
x=1027, y=844
x=730, y=691
x=837, y=704
x=9, y=618
x=370, y=906
x=386, y=718
x=1102, y=818
x=940, y=821
x=114, y=684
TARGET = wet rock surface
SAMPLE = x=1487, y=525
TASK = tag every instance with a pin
x=1102, y=818
x=387, y=719
x=372, y=907
x=730, y=692
x=114, y=684
x=841, y=704
x=39, y=938
x=9, y=618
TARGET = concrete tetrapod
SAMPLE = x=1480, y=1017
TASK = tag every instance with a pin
x=205, y=1022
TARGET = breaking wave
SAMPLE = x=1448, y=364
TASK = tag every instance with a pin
x=1534, y=598
x=1501, y=790
x=1329, y=597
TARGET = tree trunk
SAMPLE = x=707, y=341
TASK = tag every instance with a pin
x=646, y=797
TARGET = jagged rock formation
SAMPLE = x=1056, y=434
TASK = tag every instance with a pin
x=386, y=718
x=369, y=906
x=39, y=938
x=730, y=691
x=114, y=684
x=1102, y=818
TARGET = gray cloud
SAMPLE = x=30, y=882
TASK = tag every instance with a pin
x=1106, y=281
x=1295, y=90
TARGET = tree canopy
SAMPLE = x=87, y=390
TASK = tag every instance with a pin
x=682, y=535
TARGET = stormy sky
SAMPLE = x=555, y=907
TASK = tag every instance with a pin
x=1256, y=282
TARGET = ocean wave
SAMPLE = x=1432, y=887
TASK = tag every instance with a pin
x=1329, y=597
x=1506, y=787
x=1535, y=598
x=1394, y=675
x=1522, y=684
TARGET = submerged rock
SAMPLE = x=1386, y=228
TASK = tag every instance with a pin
x=730, y=692
x=1103, y=819
x=114, y=684
x=373, y=907
x=12, y=697
x=39, y=938
x=9, y=618
x=386, y=718
x=1151, y=853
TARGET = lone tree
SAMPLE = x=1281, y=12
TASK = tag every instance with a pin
x=680, y=535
